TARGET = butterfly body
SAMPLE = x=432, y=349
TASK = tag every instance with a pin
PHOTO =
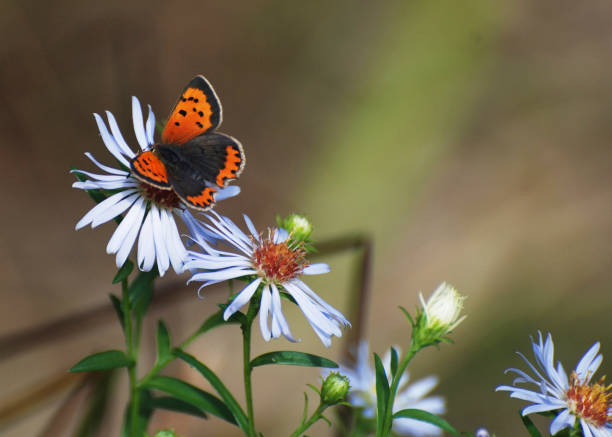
x=192, y=160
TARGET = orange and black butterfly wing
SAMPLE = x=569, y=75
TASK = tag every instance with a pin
x=148, y=168
x=197, y=111
x=198, y=167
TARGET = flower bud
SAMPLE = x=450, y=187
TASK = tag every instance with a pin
x=298, y=226
x=166, y=433
x=334, y=389
x=440, y=314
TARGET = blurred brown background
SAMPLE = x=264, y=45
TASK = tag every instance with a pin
x=471, y=140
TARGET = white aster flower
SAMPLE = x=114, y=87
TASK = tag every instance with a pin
x=274, y=265
x=362, y=394
x=148, y=210
x=573, y=397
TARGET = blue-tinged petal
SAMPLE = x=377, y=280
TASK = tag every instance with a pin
x=316, y=269
x=146, y=245
x=223, y=275
x=280, y=235
x=586, y=429
x=227, y=192
x=102, y=206
x=563, y=420
x=106, y=168
x=589, y=363
x=251, y=227
x=115, y=210
x=176, y=250
x=242, y=298
x=127, y=243
x=159, y=239
x=278, y=317
x=132, y=219
x=549, y=405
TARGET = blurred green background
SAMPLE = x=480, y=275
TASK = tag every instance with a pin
x=471, y=140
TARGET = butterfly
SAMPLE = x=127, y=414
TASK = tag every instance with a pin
x=192, y=159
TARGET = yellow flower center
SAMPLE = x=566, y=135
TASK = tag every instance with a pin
x=589, y=402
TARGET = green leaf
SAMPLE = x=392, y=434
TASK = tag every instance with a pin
x=144, y=415
x=292, y=358
x=117, y=305
x=425, y=416
x=173, y=404
x=163, y=341
x=124, y=271
x=190, y=394
x=394, y=360
x=103, y=361
x=530, y=426
x=382, y=392
x=230, y=401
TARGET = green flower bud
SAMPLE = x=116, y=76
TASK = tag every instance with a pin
x=166, y=433
x=298, y=226
x=334, y=389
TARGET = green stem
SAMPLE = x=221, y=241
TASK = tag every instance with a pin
x=388, y=419
x=315, y=416
x=132, y=352
x=247, y=369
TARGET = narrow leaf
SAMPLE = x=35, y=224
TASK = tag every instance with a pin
x=117, y=306
x=214, y=380
x=141, y=292
x=292, y=358
x=382, y=392
x=124, y=271
x=191, y=395
x=394, y=360
x=163, y=341
x=142, y=419
x=425, y=416
x=530, y=426
x=173, y=404
x=103, y=361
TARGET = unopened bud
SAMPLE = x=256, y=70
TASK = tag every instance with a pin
x=334, y=389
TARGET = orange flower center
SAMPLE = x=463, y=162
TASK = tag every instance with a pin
x=162, y=198
x=277, y=262
x=589, y=402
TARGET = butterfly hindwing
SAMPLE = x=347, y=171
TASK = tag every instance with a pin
x=195, y=168
x=148, y=168
x=197, y=111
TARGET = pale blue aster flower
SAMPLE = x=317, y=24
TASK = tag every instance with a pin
x=149, y=212
x=273, y=265
x=362, y=394
x=554, y=391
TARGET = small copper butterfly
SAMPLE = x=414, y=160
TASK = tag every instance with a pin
x=192, y=159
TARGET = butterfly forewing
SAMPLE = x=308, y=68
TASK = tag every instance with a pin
x=197, y=111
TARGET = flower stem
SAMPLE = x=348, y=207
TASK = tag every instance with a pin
x=313, y=418
x=247, y=369
x=132, y=352
x=388, y=419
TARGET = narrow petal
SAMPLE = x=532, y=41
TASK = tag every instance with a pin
x=251, y=227
x=241, y=299
x=223, y=275
x=146, y=245
x=150, y=126
x=109, y=141
x=176, y=250
x=138, y=124
x=114, y=210
x=118, y=136
x=102, y=206
x=278, y=318
x=264, y=309
x=563, y=420
x=131, y=219
x=106, y=168
x=227, y=192
x=586, y=363
x=316, y=269
x=128, y=242
x=159, y=239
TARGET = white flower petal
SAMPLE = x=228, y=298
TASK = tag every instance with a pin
x=251, y=227
x=176, y=250
x=131, y=219
x=278, y=318
x=101, y=207
x=118, y=137
x=128, y=241
x=222, y=275
x=264, y=309
x=138, y=124
x=586, y=363
x=563, y=420
x=146, y=245
x=227, y=192
x=106, y=168
x=159, y=239
x=114, y=210
x=109, y=141
x=241, y=299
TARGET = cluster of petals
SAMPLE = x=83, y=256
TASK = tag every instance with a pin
x=212, y=265
x=552, y=385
